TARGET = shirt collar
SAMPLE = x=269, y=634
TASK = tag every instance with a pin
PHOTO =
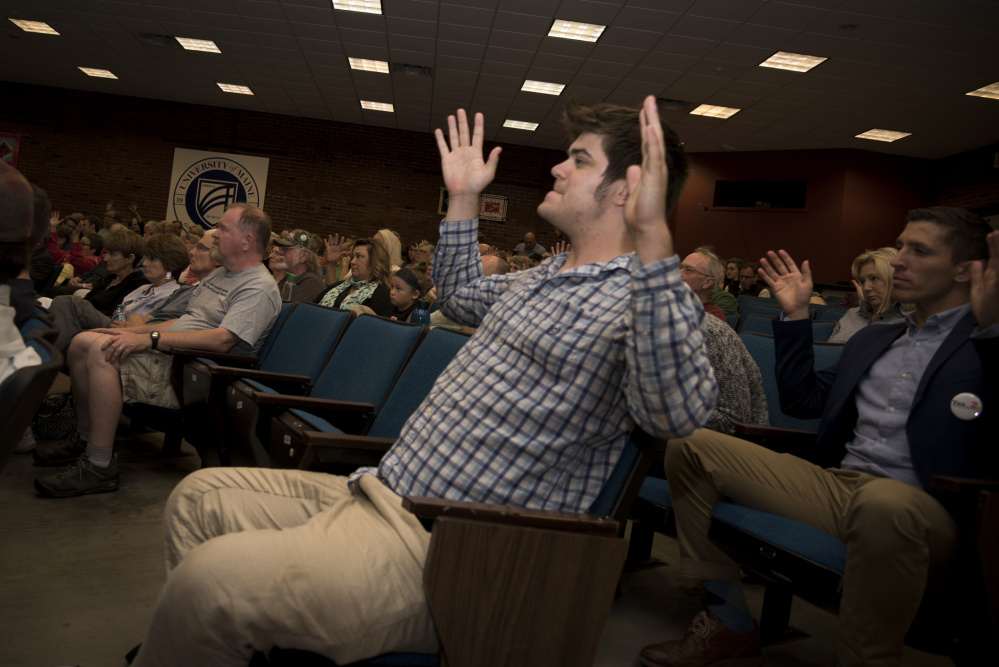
x=938, y=323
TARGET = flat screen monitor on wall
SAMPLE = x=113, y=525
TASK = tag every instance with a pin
x=760, y=194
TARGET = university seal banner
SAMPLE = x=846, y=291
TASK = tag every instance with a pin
x=204, y=184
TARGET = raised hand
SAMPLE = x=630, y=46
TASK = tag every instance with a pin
x=860, y=290
x=561, y=247
x=110, y=206
x=134, y=208
x=791, y=286
x=333, y=250
x=985, y=285
x=645, y=209
x=466, y=174
x=54, y=219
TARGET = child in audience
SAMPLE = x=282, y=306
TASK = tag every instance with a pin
x=405, y=294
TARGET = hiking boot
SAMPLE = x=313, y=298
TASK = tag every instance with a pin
x=27, y=443
x=708, y=642
x=61, y=454
x=80, y=478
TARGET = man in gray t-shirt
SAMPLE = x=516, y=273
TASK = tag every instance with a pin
x=232, y=310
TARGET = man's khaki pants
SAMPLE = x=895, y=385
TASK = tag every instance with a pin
x=258, y=558
x=898, y=537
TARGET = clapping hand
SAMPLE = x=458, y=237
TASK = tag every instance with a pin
x=790, y=286
x=985, y=285
x=645, y=208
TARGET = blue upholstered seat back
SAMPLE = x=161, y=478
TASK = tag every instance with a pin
x=265, y=349
x=766, y=310
x=762, y=350
x=430, y=359
x=756, y=323
x=367, y=360
x=656, y=491
x=606, y=502
x=304, y=342
x=822, y=330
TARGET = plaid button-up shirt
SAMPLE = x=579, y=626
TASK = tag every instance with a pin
x=535, y=409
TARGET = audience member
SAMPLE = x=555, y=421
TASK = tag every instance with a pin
x=519, y=263
x=389, y=240
x=201, y=262
x=716, y=270
x=872, y=277
x=122, y=255
x=529, y=246
x=16, y=218
x=369, y=284
x=732, y=268
x=893, y=415
x=748, y=273
x=696, y=272
x=532, y=411
x=292, y=256
x=41, y=266
x=164, y=257
x=230, y=311
x=153, y=227
x=741, y=398
x=84, y=249
x=405, y=294
x=22, y=289
x=338, y=256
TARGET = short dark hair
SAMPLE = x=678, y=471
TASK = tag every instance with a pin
x=965, y=231
x=63, y=234
x=253, y=220
x=621, y=139
x=125, y=242
x=170, y=250
x=96, y=242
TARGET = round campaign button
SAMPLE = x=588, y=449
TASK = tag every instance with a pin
x=966, y=406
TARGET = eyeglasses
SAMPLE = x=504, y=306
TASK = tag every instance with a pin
x=85, y=245
x=689, y=269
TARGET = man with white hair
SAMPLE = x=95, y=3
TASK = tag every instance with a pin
x=296, y=256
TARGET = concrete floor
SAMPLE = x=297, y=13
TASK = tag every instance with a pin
x=79, y=577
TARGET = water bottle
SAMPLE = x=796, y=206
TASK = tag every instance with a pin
x=119, y=314
x=421, y=315
x=289, y=286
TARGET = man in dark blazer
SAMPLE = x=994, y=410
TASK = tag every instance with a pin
x=904, y=403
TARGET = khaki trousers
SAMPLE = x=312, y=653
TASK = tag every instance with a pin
x=898, y=537
x=258, y=558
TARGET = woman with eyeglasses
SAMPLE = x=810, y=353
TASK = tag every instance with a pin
x=84, y=250
x=369, y=284
x=201, y=263
x=162, y=258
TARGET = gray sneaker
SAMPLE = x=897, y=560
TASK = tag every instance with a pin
x=61, y=454
x=27, y=443
x=80, y=478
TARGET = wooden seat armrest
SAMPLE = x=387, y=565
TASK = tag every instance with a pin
x=266, y=377
x=320, y=439
x=960, y=484
x=231, y=359
x=308, y=402
x=511, y=515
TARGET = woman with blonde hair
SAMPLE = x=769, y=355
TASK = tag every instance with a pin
x=393, y=246
x=872, y=276
x=370, y=283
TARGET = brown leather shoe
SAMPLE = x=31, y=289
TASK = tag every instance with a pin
x=707, y=642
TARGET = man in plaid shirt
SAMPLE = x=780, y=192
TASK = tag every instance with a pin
x=533, y=411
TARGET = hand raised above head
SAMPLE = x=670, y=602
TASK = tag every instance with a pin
x=466, y=174
x=333, y=250
x=985, y=285
x=791, y=286
x=110, y=206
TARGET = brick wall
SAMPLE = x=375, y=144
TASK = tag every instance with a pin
x=87, y=148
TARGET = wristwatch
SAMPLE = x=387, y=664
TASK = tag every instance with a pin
x=155, y=337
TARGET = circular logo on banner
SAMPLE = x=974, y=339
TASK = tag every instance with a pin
x=208, y=186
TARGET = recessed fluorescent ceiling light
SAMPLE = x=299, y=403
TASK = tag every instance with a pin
x=377, y=106
x=233, y=88
x=206, y=45
x=102, y=73
x=584, y=32
x=369, y=65
x=34, y=26
x=883, y=135
x=542, y=87
x=365, y=6
x=715, y=112
x=792, y=61
x=991, y=92
x=520, y=125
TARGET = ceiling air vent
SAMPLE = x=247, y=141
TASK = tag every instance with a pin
x=159, y=41
x=666, y=104
x=402, y=69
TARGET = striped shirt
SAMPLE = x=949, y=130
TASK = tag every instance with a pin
x=535, y=409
